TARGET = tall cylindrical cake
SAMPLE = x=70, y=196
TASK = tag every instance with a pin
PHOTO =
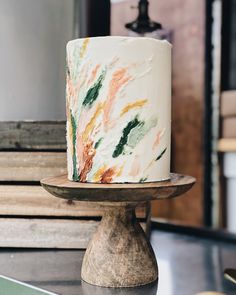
x=118, y=109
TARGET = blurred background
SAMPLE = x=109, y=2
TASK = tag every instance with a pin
x=33, y=36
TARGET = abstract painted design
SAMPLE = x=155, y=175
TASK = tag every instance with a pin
x=113, y=133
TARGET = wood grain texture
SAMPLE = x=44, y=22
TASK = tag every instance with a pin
x=35, y=201
x=186, y=19
x=61, y=187
x=31, y=166
x=33, y=135
x=119, y=255
x=47, y=233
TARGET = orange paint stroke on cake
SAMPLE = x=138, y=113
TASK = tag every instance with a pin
x=135, y=168
x=71, y=94
x=84, y=48
x=73, y=87
x=94, y=74
x=108, y=175
x=136, y=104
x=88, y=155
x=91, y=124
x=99, y=173
x=105, y=175
x=158, y=138
x=119, y=79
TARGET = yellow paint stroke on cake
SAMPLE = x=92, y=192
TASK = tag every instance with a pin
x=69, y=135
x=91, y=124
x=105, y=174
x=119, y=79
x=97, y=176
x=119, y=172
x=136, y=104
x=84, y=47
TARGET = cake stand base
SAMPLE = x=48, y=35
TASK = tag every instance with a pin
x=119, y=254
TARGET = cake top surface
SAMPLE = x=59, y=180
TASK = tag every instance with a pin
x=124, y=38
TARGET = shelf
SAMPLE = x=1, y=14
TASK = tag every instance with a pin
x=227, y=145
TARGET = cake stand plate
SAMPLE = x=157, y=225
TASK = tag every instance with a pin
x=119, y=254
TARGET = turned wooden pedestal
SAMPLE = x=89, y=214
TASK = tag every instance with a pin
x=119, y=254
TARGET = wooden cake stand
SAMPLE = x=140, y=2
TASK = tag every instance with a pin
x=119, y=254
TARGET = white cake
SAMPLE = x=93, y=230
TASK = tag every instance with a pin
x=118, y=109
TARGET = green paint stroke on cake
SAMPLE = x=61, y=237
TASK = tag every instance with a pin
x=93, y=92
x=138, y=133
x=124, y=138
x=161, y=154
x=143, y=179
x=98, y=143
x=73, y=124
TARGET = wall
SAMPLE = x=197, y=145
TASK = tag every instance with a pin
x=33, y=35
x=187, y=20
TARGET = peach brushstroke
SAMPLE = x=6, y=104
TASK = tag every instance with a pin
x=70, y=95
x=119, y=79
x=70, y=87
x=83, y=76
x=94, y=74
x=158, y=138
x=135, y=168
x=73, y=88
x=84, y=48
x=136, y=104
